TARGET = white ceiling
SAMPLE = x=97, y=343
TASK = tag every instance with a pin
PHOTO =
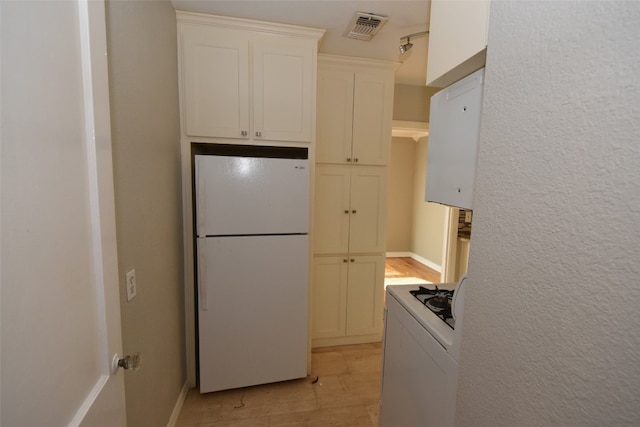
x=405, y=17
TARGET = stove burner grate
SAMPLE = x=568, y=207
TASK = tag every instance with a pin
x=436, y=300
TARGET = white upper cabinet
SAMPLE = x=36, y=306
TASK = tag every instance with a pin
x=215, y=66
x=335, y=115
x=355, y=108
x=458, y=34
x=283, y=91
x=247, y=80
x=372, y=117
x=453, y=142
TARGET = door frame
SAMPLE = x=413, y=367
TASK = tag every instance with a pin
x=450, y=245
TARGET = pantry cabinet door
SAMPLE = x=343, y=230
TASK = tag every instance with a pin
x=372, y=112
x=365, y=295
x=329, y=297
x=335, y=116
x=215, y=79
x=283, y=91
x=368, y=209
x=331, y=209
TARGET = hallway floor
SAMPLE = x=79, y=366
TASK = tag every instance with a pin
x=346, y=393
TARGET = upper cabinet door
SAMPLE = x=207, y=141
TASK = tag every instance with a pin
x=283, y=91
x=335, y=115
x=453, y=142
x=458, y=36
x=372, y=112
x=355, y=108
x=215, y=82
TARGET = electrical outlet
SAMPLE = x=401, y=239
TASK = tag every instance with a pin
x=132, y=289
x=467, y=216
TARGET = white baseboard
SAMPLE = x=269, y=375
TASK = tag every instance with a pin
x=399, y=255
x=418, y=258
x=178, y=406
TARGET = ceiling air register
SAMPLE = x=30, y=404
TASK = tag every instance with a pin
x=364, y=26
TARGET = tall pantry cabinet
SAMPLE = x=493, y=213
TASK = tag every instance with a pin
x=354, y=115
x=242, y=82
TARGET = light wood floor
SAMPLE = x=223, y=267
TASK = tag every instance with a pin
x=346, y=393
x=408, y=268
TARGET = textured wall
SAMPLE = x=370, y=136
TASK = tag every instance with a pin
x=146, y=149
x=552, y=330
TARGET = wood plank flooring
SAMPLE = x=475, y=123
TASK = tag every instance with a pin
x=408, y=268
x=346, y=393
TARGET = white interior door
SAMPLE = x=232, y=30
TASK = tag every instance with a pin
x=60, y=302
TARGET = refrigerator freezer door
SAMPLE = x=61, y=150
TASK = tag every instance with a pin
x=253, y=324
x=251, y=195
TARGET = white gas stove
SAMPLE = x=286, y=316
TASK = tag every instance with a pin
x=421, y=349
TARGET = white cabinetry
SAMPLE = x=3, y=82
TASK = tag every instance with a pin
x=453, y=142
x=247, y=80
x=458, y=33
x=349, y=299
x=350, y=207
x=355, y=100
x=355, y=103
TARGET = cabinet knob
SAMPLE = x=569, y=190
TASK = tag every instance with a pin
x=344, y=260
x=353, y=211
x=355, y=160
x=346, y=211
x=353, y=260
x=348, y=159
x=243, y=133
x=258, y=133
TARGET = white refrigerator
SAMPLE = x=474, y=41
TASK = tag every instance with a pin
x=252, y=221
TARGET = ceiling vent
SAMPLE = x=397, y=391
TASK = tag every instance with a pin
x=364, y=25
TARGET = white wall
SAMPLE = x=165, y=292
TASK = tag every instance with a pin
x=146, y=147
x=552, y=330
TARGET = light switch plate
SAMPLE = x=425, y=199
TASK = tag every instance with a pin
x=132, y=289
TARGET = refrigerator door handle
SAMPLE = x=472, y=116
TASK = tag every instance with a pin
x=202, y=274
x=201, y=209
